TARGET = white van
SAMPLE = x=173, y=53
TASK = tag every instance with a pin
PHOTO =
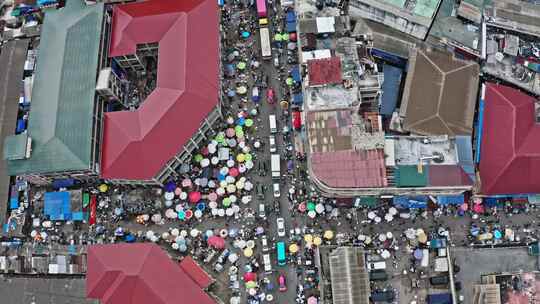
x=267, y=263
x=376, y=265
x=273, y=148
x=273, y=123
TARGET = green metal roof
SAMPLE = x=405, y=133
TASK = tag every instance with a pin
x=426, y=8
x=61, y=114
x=408, y=176
x=15, y=146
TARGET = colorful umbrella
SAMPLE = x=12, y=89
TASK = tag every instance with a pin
x=310, y=206
x=293, y=248
x=194, y=196
x=302, y=207
x=249, y=122
x=308, y=238
x=250, y=276
x=317, y=241
x=328, y=234
x=216, y=242
x=181, y=215
x=241, y=65
x=103, y=188
x=289, y=81
x=248, y=252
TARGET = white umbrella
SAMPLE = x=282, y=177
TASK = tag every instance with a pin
x=212, y=149
x=221, y=212
x=410, y=233
x=252, y=291
x=183, y=195
x=312, y=214
x=44, y=235
x=240, y=244
x=249, y=164
x=211, y=184
x=170, y=214
x=389, y=235
x=230, y=163
x=361, y=237
x=145, y=217
x=165, y=235
x=382, y=237
x=174, y=246
x=168, y=203
x=231, y=188
x=233, y=257
x=393, y=211
x=246, y=149
x=220, y=191
x=371, y=215
x=248, y=186
x=205, y=162
x=223, y=183
x=246, y=199
x=242, y=145
x=175, y=232
x=224, y=171
x=291, y=190
x=319, y=208
x=178, y=208
x=235, y=300
x=214, y=160
x=242, y=168
x=236, y=208
x=212, y=205
x=149, y=234
x=388, y=217
x=250, y=244
x=257, y=144
x=377, y=219
x=209, y=233
x=183, y=233
x=229, y=179
x=240, y=185
x=229, y=212
x=169, y=195
x=385, y=254
x=33, y=233
x=194, y=232
x=197, y=213
x=214, y=211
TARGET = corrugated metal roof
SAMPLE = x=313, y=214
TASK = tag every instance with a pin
x=12, y=57
x=349, y=277
x=390, y=88
x=409, y=176
x=440, y=94
x=61, y=117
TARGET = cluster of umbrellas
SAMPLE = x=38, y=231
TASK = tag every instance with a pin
x=313, y=240
x=313, y=209
x=388, y=217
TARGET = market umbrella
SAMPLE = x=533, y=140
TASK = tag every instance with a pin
x=186, y=182
x=371, y=215
x=249, y=122
x=226, y=202
x=277, y=37
x=234, y=172
x=312, y=214
x=103, y=188
x=302, y=207
x=248, y=252
x=230, y=132
x=181, y=215
x=319, y=208
x=250, y=276
x=250, y=244
x=310, y=206
x=284, y=36
x=233, y=257
x=289, y=81
x=229, y=211
x=194, y=232
x=308, y=238
x=221, y=212
x=189, y=214
x=198, y=213
x=170, y=214
x=246, y=199
x=245, y=34
x=241, y=90
x=175, y=246
x=497, y=234
x=389, y=235
x=418, y=254
x=249, y=164
x=328, y=234
x=317, y=241
x=201, y=206
x=194, y=196
x=231, y=93
x=175, y=232
x=312, y=300
x=378, y=219
x=216, y=242
x=198, y=157
x=293, y=248
x=392, y=211
x=251, y=286
x=182, y=248
x=205, y=162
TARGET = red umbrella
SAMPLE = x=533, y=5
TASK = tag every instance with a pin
x=234, y=172
x=292, y=36
x=204, y=151
x=478, y=208
x=250, y=276
x=194, y=196
x=189, y=214
x=216, y=242
x=302, y=207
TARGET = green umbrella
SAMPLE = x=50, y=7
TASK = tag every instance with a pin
x=220, y=137
x=198, y=157
x=249, y=156
x=249, y=122
x=310, y=206
x=285, y=36
x=238, y=129
x=289, y=81
x=277, y=37
x=239, y=133
x=226, y=202
x=241, y=65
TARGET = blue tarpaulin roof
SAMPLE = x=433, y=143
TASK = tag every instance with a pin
x=291, y=27
x=390, y=87
x=13, y=203
x=441, y=298
x=410, y=202
x=451, y=199
x=295, y=73
x=291, y=16
x=58, y=205
x=298, y=99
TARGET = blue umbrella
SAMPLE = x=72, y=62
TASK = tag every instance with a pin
x=201, y=206
x=170, y=186
x=118, y=211
x=497, y=234
x=221, y=177
x=245, y=34
x=182, y=248
x=241, y=121
x=231, y=93
x=130, y=238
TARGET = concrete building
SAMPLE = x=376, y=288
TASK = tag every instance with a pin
x=411, y=17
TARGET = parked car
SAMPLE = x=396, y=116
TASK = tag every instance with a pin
x=262, y=212
x=277, y=207
x=260, y=191
x=273, y=148
x=264, y=244
x=270, y=96
x=276, y=61
x=282, y=283
x=277, y=192
x=281, y=227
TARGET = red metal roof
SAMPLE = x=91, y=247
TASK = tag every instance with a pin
x=197, y=274
x=138, y=274
x=510, y=151
x=350, y=169
x=137, y=144
x=324, y=71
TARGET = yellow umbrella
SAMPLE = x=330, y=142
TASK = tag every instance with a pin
x=103, y=188
x=328, y=234
x=293, y=248
x=248, y=252
x=251, y=284
x=422, y=238
x=317, y=241
x=241, y=157
x=308, y=238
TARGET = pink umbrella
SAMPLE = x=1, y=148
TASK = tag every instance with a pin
x=212, y=197
x=312, y=300
x=194, y=196
x=478, y=208
x=177, y=191
x=233, y=172
x=216, y=242
x=186, y=182
x=464, y=207
x=250, y=276
x=302, y=207
x=189, y=214
x=230, y=132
